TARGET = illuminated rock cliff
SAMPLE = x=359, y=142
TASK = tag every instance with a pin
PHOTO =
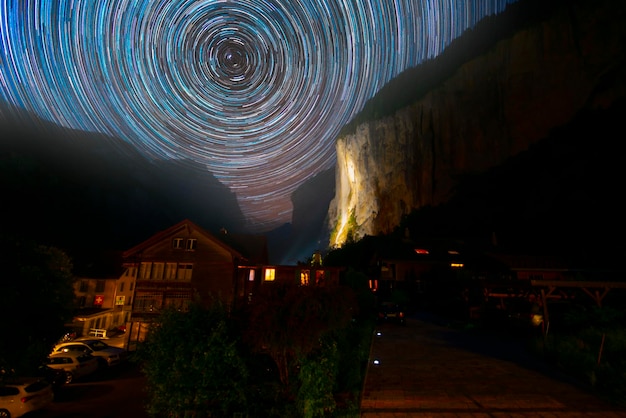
x=492, y=107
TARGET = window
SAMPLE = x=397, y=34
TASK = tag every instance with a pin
x=132, y=285
x=84, y=285
x=157, y=271
x=177, y=243
x=184, y=271
x=270, y=275
x=191, y=244
x=144, y=270
x=121, y=286
x=251, y=275
x=304, y=277
x=148, y=302
x=170, y=271
x=178, y=301
x=100, y=286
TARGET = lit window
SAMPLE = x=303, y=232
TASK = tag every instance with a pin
x=177, y=243
x=191, y=244
x=270, y=274
x=304, y=277
x=184, y=271
x=319, y=276
x=251, y=275
x=421, y=251
x=456, y=265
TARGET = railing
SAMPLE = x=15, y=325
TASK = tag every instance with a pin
x=98, y=332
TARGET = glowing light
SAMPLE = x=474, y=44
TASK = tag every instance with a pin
x=270, y=274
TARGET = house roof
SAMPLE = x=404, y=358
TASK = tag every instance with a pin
x=185, y=224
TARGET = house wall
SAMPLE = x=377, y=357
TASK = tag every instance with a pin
x=87, y=289
x=213, y=272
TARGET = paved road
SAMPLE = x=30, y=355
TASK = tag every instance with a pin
x=115, y=393
x=429, y=370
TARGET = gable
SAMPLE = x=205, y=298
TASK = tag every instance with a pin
x=176, y=241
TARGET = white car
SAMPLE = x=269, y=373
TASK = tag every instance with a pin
x=76, y=364
x=23, y=395
x=106, y=354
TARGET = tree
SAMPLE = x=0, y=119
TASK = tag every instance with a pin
x=36, y=301
x=192, y=364
x=287, y=321
x=318, y=376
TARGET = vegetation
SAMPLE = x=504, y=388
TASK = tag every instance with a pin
x=590, y=345
x=35, y=279
x=193, y=364
x=294, y=351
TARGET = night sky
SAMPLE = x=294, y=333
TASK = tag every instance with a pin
x=254, y=90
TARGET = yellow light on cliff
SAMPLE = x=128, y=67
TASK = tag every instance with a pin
x=351, y=174
x=339, y=238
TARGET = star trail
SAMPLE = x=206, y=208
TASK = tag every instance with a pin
x=255, y=90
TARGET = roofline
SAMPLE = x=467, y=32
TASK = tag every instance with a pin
x=182, y=224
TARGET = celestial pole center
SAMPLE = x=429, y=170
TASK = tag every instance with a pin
x=256, y=91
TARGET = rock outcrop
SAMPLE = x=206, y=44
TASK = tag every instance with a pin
x=492, y=107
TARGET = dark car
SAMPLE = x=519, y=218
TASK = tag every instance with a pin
x=391, y=312
x=56, y=378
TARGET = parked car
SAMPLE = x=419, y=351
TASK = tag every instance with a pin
x=391, y=312
x=56, y=377
x=76, y=364
x=106, y=354
x=19, y=396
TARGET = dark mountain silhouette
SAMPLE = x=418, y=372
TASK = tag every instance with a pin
x=77, y=189
x=560, y=197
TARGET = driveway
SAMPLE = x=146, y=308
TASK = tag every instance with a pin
x=424, y=369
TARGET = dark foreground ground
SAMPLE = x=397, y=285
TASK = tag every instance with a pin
x=426, y=369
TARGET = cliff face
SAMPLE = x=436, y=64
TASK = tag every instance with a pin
x=493, y=107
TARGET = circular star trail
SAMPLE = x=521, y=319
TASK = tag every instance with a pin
x=255, y=90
